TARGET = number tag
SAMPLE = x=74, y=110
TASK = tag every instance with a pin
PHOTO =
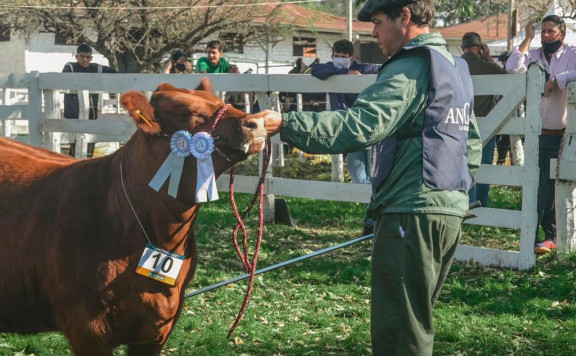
x=159, y=264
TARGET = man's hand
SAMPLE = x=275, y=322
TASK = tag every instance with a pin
x=354, y=72
x=530, y=32
x=272, y=122
x=485, y=52
x=188, y=66
x=551, y=84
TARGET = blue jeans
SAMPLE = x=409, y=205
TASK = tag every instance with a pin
x=359, y=168
x=481, y=191
x=549, y=146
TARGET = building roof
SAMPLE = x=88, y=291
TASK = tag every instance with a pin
x=494, y=28
x=314, y=20
x=490, y=29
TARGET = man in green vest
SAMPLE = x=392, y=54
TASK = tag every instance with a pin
x=418, y=118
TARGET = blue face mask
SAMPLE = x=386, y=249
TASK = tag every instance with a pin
x=341, y=62
x=549, y=48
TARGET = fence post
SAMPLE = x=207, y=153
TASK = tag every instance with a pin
x=83, y=114
x=34, y=109
x=532, y=127
x=52, y=140
x=566, y=183
x=337, y=168
x=5, y=125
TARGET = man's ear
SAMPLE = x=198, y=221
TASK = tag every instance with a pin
x=141, y=111
x=406, y=16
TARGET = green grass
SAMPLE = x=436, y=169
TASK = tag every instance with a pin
x=321, y=306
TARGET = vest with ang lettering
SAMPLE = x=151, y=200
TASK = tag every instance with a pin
x=446, y=126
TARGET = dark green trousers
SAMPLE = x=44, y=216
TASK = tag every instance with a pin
x=411, y=257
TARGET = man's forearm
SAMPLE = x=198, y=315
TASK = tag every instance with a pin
x=525, y=45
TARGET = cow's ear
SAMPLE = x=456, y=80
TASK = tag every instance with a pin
x=141, y=111
x=168, y=87
x=205, y=84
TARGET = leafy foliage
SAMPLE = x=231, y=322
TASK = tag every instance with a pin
x=135, y=35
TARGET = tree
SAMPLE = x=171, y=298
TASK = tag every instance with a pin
x=135, y=35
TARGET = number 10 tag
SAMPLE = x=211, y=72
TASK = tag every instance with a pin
x=159, y=264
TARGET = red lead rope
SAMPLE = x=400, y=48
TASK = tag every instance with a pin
x=243, y=254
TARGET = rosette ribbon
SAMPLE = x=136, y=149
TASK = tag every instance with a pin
x=172, y=167
x=201, y=147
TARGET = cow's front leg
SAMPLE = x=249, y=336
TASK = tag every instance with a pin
x=82, y=344
x=145, y=349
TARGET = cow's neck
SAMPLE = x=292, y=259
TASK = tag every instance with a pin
x=166, y=221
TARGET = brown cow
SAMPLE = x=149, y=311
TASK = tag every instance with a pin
x=70, y=242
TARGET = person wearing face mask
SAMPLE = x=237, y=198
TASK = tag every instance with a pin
x=344, y=63
x=558, y=59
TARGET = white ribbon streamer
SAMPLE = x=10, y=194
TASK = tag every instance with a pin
x=174, y=163
x=202, y=146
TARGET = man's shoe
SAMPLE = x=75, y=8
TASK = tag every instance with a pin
x=544, y=247
x=368, y=229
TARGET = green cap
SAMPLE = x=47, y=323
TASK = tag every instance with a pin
x=372, y=6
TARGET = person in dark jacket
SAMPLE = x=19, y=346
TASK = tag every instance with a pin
x=344, y=63
x=71, y=108
x=477, y=56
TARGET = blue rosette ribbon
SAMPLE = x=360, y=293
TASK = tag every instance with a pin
x=201, y=147
x=180, y=145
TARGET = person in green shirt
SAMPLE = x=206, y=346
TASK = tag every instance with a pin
x=213, y=62
x=418, y=117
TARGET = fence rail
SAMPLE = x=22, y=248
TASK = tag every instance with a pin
x=46, y=128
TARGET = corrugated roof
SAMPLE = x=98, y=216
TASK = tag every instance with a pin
x=316, y=20
x=491, y=29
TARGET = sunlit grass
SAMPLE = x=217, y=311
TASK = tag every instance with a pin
x=321, y=306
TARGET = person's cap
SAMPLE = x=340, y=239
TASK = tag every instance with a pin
x=504, y=56
x=372, y=6
x=84, y=48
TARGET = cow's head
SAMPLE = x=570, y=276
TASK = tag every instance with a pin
x=170, y=109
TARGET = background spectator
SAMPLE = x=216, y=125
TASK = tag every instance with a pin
x=503, y=141
x=477, y=55
x=213, y=62
x=71, y=108
x=178, y=63
x=558, y=59
x=344, y=63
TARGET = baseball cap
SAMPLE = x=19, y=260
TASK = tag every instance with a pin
x=504, y=56
x=372, y=6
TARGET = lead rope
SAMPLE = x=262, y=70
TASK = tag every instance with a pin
x=244, y=256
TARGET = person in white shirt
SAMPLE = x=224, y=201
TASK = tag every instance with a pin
x=558, y=59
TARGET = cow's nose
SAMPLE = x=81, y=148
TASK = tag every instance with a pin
x=253, y=124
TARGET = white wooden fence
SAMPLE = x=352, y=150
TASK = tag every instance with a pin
x=46, y=127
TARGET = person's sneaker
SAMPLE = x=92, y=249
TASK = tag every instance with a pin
x=368, y=229
x=544, y=247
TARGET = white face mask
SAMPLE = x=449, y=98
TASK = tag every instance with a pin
x=341, y=62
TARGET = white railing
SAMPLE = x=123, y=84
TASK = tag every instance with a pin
x=45, y=125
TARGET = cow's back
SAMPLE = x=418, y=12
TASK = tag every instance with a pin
x=35, y=185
